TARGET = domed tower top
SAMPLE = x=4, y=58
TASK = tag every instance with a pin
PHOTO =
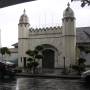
x=24, y=18
x=68, y=12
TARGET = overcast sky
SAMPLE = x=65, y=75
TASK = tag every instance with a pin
x=41, y=13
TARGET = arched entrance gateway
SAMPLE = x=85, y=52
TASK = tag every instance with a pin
x=48, y=59
x=50, y=56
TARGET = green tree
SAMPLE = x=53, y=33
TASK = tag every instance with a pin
x=80, y=66
x=83, y=2
x=33, y=55
x=3, y=51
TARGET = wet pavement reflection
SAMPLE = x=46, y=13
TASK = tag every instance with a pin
x=43, y=84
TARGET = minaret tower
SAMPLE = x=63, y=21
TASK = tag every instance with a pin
x=69, y=36
x=23, y=35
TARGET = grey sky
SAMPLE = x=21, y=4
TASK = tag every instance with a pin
x=41, y=13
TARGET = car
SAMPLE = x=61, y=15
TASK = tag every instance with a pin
x=6, y=71
x=86, y=75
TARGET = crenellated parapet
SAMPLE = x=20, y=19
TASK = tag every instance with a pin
x=46, y=30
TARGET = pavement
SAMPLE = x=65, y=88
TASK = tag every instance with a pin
x=49, y=74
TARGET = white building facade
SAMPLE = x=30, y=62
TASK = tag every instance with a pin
x=59, y=43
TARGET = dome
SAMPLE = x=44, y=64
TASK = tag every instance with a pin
x=24, y=18
x=68, y=12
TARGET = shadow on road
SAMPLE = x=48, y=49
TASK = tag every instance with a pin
x=85, y=85
x=7, y=80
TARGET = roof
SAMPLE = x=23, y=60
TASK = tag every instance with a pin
x=15, y=44
x=83, y=35
x=5, y=3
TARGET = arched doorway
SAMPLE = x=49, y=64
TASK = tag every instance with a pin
x=48, y=59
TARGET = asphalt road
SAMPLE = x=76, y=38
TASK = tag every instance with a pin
x=43, y=84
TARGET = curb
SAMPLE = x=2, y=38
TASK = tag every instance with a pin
x=48, y=76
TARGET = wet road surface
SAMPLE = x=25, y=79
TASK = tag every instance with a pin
x=43, y=84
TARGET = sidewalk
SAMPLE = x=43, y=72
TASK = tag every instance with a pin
x=49, y=74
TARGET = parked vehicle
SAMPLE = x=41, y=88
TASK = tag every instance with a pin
x=86, y=75
x=6, y=71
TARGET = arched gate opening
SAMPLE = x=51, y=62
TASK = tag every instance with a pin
x=48, y=59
